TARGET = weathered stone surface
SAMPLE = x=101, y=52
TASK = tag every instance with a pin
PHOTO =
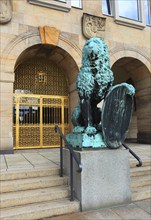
x=104, y=180
x=6, y=98
x=93, y=26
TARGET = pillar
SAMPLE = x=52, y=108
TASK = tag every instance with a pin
x=6, y=112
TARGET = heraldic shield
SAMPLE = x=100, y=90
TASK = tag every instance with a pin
x=116, y=114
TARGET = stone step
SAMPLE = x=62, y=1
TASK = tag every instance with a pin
x=139, y=181
x=139, y=171
x=32, y=183
x=40, y=210
x=33, y=196
x=141, y=193
x=27, y=173
x=145, y=161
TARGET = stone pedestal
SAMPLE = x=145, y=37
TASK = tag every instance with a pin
x=104, y=180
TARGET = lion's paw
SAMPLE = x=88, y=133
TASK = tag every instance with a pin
x=90, y=130
x=78, y=129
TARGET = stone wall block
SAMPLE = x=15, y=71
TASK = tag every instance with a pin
x=6, y=126
x=6, y=100
x=6, y=88
x=6, y=144
x=104, y=180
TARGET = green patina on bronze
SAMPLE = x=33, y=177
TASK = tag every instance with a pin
x=93, y=83
x=116, y=114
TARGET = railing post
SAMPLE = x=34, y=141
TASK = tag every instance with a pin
x=134, y=155
x=72, y=156
x=61, y=158
x=71, y=177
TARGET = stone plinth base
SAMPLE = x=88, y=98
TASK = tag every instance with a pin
x=6, y=145
x=104, y=180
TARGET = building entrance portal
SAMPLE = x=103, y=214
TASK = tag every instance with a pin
x=41, y=99
x=133, y=71
x=35, y=117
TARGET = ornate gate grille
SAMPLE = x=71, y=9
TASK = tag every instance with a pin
x=34, y=118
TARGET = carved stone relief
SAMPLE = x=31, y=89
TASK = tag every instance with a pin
x=93, y=26
x=5, y=11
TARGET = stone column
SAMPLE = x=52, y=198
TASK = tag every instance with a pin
x=6, y=112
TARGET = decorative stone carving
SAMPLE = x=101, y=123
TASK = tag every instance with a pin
x=5, y=11
x=49, y=35
x=93, y=26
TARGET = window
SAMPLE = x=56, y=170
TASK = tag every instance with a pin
x=129, y=9
x=106, y=7
x=63, y=5
x=147, y=7
x=135, y=13
x=76, y=3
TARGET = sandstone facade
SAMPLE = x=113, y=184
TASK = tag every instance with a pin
x=32, y=25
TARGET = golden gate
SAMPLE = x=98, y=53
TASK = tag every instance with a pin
x=34, y=118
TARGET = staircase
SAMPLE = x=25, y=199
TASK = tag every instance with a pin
x=140, y=180
x=39, y=193
x=35, y=194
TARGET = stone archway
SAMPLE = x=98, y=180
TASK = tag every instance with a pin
x=53, y=54
x=39, y=73
x=70, y=61
x=130, y=66
x=59, y=57
x=29, y=39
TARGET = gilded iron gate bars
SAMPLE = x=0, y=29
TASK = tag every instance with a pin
x=34, y=118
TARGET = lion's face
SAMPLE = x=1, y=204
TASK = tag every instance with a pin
x=94, y=49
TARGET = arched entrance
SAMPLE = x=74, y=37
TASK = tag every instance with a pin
x=133, y=71
x=41, y=96
x=65, y=53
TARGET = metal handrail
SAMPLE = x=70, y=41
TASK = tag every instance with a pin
x=72, y=155
x=134, y=155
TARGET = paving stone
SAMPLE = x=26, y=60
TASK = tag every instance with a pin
x=38, y=160
x=3, y=165
x=128, y=212
x=145, y=205
x=132, y=212
x=16, y=161
x=105, y=214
